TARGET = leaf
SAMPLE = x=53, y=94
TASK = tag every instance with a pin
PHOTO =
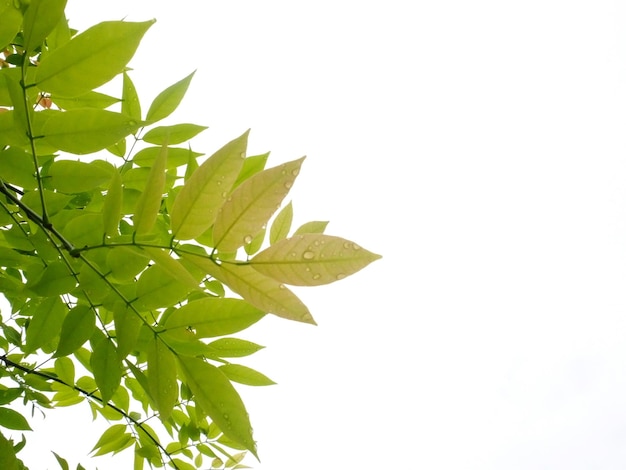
x=18, y=168
x=39, y=20
x=175, y=134
x=251, y=205
x=46, y=323
x=91, y=99
x=176, y=156
x=55, y=280
x=86, y=130
x=126, y=262
x=198, y=201
x=65, y=370
x=251, y=166
x=172, y=266
x=261, y=291
x=110, y=438
x=245, y=375
x=149, y=203
x=9, y=394
x=112, y=208
x=312, y=260
x=156, y=288
x=131, y=106
x=90, y=59
x=127, y=326
x=212, y=316
x=168, y=100
x=234, y=347
x=69, y=176
x=162, y=377
x=78, y=326
x=11, y=419
x=10, y=24
x=282, y=224
x=107, y=370
x=214, y=393
x=62, y=462
x=311, y=227
x=8, y=460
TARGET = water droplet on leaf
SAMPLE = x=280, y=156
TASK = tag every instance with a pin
x=308, y=255
x=340, y=276
x=247, y=239
x=316, y=276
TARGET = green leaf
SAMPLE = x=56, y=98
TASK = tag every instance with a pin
x=9, y=394
x=251, y=205
x=55, y=280
x=282, y=224
x=172, y=266
x=251, y=166
x=78, y=326
x=46, y=323
x=65, y=370
x=131, y=106
x=10, y=24
x=197, y=203
x=11, y=419
x=86, y=130
x=39, y=20
x=18, y=168
x=112, y=208
x=176, y=156
x=62, y=462
x=85, y=230
x=234, y=347
x=312, y=260
x=168, y=100
x=111, y=438
x=157, y=288
x=261, y=291
x=212, y=316
x=162, y=377
x=256, y=243
x=149, y=203
x=311, y=227
x=214, y=393
x=173, y=135
x=8, y=460
x=90, y=59
x=91, y=99
x=245, y=375
x=54, y=201
x=106, y=366
x=125, y=263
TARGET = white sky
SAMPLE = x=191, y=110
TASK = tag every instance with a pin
x=479, y=147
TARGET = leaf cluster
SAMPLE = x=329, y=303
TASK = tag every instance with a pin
x=128, y=271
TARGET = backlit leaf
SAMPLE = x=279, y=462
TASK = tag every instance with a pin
x=77, y=328
x=39, y=20
x=112, y=209
x=91, y=58
x=157, y=288
x=172, y=266
x=234, y=347
x=107, y=370
x=46, y=323
x=18, y=168
x=261, y=291
x=251, y=166
x=282, y=224
x=312, y=260
x=175, y=134
x=149, y=202
x=162, y=377
x=91, y=99
x=55, y=280
x=251, y=205
x=11, y=22
x=245, y=375
x=197, y=203
x=131, y=106
x=311, y=227
x=168, y=100
x=86, y=130
x=176, y=156
x=214, y=393
x=69, y=176
x=211, y=316
x=8, y=460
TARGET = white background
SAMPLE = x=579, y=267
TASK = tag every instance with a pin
x=479, y=147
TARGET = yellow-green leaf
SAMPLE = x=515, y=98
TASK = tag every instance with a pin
x=213, y=316
x=282, y=224
x=131, y=106
x=149, y=202
x=162, y=377
x=8, y=460
x=11, y=419
x=251, y=205
x=112, y=208
x=107, y=369
x=312, y=260
x=46, y=323
x=259, y=290
x=78, y=326
x=172, y=266
x=91, y=99
x=90, y=59
x=158, y=288
x=198, y=201
x=214, y=393
x=245, y=375
x=175, y=134
x=70, y=176
x=168, y=100
x=87, y=130
x=314, y=226
x=11, y=22
x=39, y=20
